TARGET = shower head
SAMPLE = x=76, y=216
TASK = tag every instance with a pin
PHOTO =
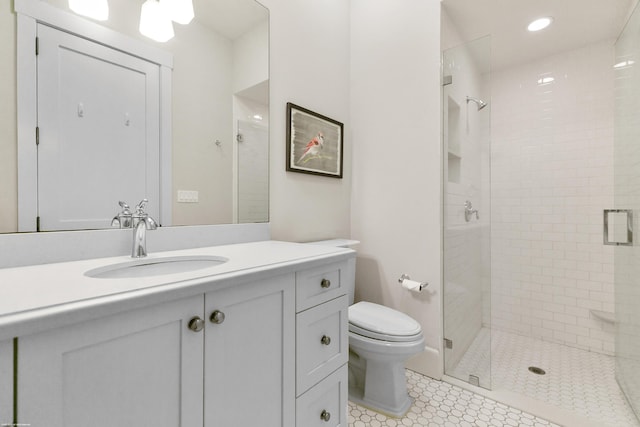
x=479, y=102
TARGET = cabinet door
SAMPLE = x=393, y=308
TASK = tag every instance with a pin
x=6, y=382
x=249, y=356
x=138, y=368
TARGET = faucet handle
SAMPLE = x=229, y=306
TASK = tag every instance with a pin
x=140, y=206
x=125, y=207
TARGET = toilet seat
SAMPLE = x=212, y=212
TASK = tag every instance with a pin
x=382, y=323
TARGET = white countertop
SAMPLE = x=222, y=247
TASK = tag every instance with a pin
x=45, y=292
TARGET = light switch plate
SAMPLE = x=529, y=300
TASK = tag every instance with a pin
x=187, y=196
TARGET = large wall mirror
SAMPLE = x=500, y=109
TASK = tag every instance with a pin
x=218, y=112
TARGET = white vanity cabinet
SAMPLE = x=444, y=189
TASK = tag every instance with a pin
x=142, y=367
x=322, y=345
x=150, y=366
x=6, y=382
x=262, y=346
x=249, y=355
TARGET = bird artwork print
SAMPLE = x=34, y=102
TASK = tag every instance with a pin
x=313, y=148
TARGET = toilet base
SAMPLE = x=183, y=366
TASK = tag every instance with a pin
x=356, y=396
x=379, y=385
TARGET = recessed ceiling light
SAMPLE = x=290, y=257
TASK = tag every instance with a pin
x=540, y=24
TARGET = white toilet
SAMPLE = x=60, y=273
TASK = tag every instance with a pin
x=381, y=340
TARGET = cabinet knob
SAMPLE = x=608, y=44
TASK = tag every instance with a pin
x=325, y=283
x=325, y=415
x=217, y=317
x=325, y=340
x=196, y=324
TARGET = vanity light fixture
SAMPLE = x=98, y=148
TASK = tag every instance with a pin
x=94, y=9
x=180, y=11
x=540, y=24
x=154, y=22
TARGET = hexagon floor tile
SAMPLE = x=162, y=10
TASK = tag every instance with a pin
x=441, y=404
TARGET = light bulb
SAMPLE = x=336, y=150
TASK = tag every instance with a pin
x=154, y=22
x=94, y=9
x=180, y=11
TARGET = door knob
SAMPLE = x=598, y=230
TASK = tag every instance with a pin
x=325, y=283
x=325, y=340
x=325, y=415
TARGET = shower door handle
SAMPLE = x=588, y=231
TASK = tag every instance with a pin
x=627, y=221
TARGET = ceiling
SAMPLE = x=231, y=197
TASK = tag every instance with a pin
x=576, y=23
x=230, y=18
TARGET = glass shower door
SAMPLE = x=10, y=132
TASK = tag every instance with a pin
x=466, y=181
x=627, y=197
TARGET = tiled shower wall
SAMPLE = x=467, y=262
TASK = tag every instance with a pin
x=551, y=177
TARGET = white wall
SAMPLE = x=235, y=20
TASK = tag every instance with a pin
x=395, y=121
x=552, y=175
x=251, y=57
x=8, y=145
x=309, y=67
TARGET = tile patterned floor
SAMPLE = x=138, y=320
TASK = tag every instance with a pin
x=441, y=404
x=579, y=381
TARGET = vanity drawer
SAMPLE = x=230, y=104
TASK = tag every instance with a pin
x=325, y=405
x=320, y=284
x=322, y=342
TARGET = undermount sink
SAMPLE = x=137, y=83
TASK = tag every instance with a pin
x=146, y=267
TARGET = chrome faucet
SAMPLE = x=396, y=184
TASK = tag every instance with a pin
x=141, y=222
x=469, y=211
x=123, y=219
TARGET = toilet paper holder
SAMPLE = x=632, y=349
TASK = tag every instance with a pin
x=404, y=277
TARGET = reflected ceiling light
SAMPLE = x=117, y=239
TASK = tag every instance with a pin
x=257, y=117
x=624, y=64
x=545, y=80
x=154, y=22
x=94, y=9
x=540, y=24
x=180, y=11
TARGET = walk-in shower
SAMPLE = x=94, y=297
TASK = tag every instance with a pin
x=534, y=304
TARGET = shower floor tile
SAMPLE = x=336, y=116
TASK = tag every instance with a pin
x=441, y=404
x=577, y=380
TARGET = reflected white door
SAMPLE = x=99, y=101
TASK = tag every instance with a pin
x=98, y=119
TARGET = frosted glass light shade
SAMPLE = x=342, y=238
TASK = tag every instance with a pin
x=180, y=11
x=95, y=9
x=154, y=22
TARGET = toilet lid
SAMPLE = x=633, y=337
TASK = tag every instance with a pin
x=384, y=323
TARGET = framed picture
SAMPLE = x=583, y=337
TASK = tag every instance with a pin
x=314, y=143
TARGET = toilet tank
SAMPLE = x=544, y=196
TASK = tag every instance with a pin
x=351, y=273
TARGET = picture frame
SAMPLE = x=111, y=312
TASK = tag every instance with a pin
x=314, y=143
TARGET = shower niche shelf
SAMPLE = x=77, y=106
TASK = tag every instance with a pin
x=452, y=139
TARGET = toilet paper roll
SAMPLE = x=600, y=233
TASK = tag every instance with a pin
x=413, y=285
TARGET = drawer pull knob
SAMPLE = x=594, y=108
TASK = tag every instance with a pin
x=217, y=317
x=196, y=324
x=325, y=283
x=325, y=340
x=325, y=415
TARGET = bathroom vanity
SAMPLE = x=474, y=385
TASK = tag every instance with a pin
x=259, y=338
